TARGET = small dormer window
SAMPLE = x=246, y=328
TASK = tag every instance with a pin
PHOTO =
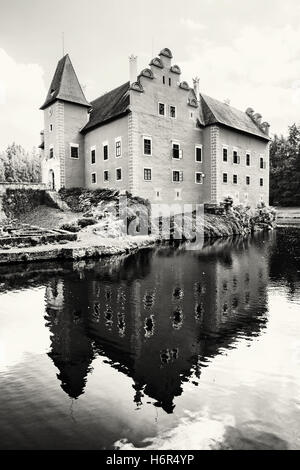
x=52, y=92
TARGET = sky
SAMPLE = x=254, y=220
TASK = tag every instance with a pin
x=245, y=51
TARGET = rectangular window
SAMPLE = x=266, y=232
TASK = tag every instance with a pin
x=198, y=178
x=176, y=152
x=118, y=174
x=50, y=128
x=170, y=82
x=105, y=175
x=94, y=178
x=225, y=154
x=198, y=153
x=172, y=111
x=225, y=177
x=177, y=176
x=51, y=152
x=118, y=147
x=164, y=80
x=236, y=158
x=261, y=181
x=262, y=163
x=234, y=179
x=147, y=146
x=105, y=151
x=74, y=151
x=247, y=159
x=161, y=109
x=247, y=180
x=93, y=156
x=147, y=174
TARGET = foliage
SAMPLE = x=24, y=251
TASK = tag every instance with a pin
x=285, y=168
x=17, y=165
x=20, y=201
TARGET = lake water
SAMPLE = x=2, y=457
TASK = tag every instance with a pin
x=164, y=349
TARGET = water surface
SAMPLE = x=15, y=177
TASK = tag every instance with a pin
x=163, y=349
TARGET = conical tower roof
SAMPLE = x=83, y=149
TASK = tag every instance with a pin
x=65, y=85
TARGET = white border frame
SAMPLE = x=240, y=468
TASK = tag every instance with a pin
x=180, y=171
x=161, y=115
x=118, y=139
x=77, y=146
x=227, y=148
x=91, y=149
x=202, y=177
x=146, y=137
x=104, y=180
x=147, y=168
x=119, y=179
x=224, y=173
x=198, y=146
x=173, y=106
x=103, y=145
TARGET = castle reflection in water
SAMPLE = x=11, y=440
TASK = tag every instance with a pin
x=158, y=316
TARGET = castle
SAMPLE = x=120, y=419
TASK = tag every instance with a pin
x=155, y=137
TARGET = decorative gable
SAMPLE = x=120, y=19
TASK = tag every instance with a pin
x=157, y=62
x=184, y=86
x=193, y=102
x=175, y=69
x=136, y=86
x=146, y=73
x=166, y=52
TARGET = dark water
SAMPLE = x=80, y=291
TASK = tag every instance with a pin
x=163, y=349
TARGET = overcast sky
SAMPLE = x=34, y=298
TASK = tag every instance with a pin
x=247, y=51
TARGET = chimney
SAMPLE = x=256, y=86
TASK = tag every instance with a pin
x=257, y=118
x=132, y=68
x=196, y=86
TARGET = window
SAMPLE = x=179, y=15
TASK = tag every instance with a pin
x=161, y=109
x=147, y=146
x=147, y=174
x=176, y=152
x=105, y=175
x=235, y=179
x=118, y=174
x=225, y=177
x=105, y=151
x=172, y=111
x=50, y=127
x=178, y=195
x=93, y=156
x=118, y=147
x=236, y=158
x=199, y=178
x=51, y=152
x=261, y=181
x=170, y=82
x=164, y=80
x=262, y=163
x=198, y=153
x=74, y=150
x=225, y=154
x=94, y=178
x=177, y=176
x=247, y=180
x=247, y=159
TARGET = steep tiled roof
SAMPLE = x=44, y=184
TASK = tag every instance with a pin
x=216, y=112
x=109, y=106
x=65, y=85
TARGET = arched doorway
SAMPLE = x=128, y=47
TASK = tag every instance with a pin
x=51, y=180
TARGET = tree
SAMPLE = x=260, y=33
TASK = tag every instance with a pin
x=285, y=168
x=17, y=165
